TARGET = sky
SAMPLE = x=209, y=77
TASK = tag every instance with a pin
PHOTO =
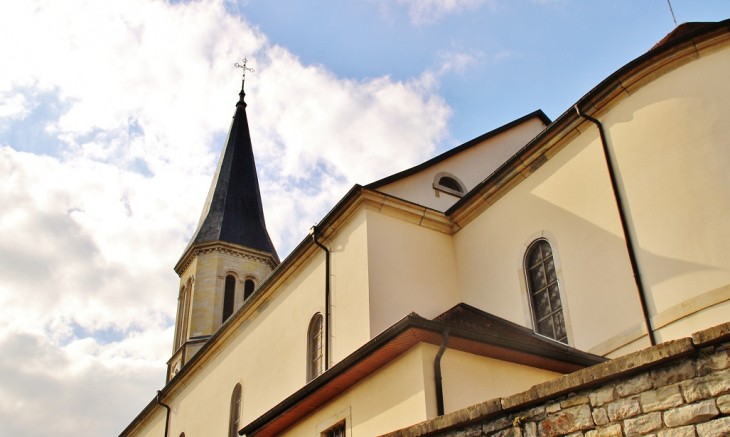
x=113, y=115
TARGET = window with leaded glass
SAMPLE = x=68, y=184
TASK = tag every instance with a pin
x=315, y=350
x=229, y=295
x=336, y=431
x=235, y=415
x=542, y=284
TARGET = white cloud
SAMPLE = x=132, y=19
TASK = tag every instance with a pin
x=458, y=61
x=92, y=224
x=429, y=11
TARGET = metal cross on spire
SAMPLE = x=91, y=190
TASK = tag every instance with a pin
x=244, y=68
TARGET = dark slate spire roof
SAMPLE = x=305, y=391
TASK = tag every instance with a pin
x=233, y=211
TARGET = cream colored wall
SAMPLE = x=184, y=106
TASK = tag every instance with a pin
x=411, y=268
x=670, y=139
x=403, y=392
x=349, y=284
x=471, y=167
x=390, y=399
x=468, y=379
x=154, y=426
x=267, y=354
x=568, y=200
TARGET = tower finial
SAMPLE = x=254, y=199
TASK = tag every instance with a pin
x=243, y=81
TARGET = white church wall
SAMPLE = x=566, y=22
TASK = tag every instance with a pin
x=569, y=202
x=267, y=354
x=469, y=379
x=153, y=425
x=411, y=268
x=670, y=138
x=471, y=167
x=391, y=398
x=349, y=288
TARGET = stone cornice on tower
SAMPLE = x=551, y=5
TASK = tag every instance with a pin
x=237, y=250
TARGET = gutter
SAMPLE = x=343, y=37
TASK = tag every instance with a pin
x=313, y=232
x=167, y=417
x=623, y=217
x=437, y=374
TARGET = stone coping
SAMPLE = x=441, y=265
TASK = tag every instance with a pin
x=576, y=381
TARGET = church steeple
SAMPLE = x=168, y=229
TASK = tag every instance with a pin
x=230, y=253
x=233, y=211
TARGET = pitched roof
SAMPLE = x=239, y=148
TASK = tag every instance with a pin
x=470, y=330
x=233, y=211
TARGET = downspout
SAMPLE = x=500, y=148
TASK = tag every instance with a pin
x=437, y=374
x=167, y=418
x=313, y=231
x=624, y=222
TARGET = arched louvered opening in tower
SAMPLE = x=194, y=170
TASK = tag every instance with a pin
x=229, y=296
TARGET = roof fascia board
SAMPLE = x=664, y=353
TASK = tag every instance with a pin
x=458, y=149
x=619, y=85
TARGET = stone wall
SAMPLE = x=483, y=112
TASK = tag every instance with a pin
x=678, y=388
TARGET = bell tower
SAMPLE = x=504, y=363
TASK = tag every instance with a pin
x=230, y=253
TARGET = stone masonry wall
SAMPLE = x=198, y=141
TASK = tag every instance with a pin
x=675, y=389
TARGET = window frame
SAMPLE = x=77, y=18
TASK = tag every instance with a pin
x=312, y=372
x=528, y=305
x=437, y=184
x=534, y=245
x=236, y=410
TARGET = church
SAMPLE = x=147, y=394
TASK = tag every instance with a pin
x=530, y=252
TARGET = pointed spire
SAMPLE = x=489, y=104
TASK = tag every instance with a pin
x=233, y=211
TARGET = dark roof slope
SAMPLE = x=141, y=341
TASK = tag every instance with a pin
x=468, y=318
x=233, y=211
x=449, y=153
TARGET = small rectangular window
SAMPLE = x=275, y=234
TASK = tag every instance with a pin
x=336, y=431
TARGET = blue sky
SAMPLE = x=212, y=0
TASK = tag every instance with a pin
x=113, y=114
x=525, y=54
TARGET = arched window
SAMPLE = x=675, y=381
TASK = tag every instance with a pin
x=234, y=422
x=449, y=183
x=248, y=288
x=180, y=315
x=183, y=309
x=315, y=350
x=229, y=295
x=542, y=285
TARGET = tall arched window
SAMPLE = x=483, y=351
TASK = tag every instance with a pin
x=542, y=285
x=183, y=308
x=180, y=315
x=229, y=295
x=234, y=422
x=315, y=350
x=248, y=288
